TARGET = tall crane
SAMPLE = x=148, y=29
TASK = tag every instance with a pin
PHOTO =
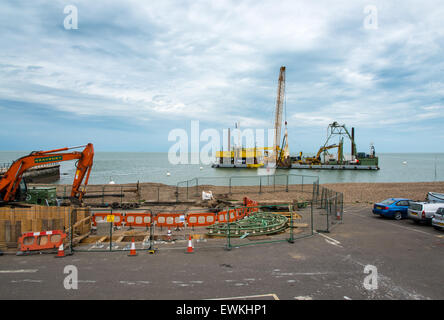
x=11, y=180
x=281, y=152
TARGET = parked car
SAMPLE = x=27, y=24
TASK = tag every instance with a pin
x=423, y=211
x=392, y=207
x=438, y=218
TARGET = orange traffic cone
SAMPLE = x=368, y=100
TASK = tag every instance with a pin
x=169, y=234
x=190, y=246
x=61, y=252
x=338, y=215
x=133, y=249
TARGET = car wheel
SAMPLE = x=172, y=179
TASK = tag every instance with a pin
x=398, y=216
x=416, y=221
x=437, y=228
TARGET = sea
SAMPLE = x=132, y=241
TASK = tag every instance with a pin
x=131, y=167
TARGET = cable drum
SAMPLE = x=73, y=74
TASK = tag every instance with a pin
x=259, y=223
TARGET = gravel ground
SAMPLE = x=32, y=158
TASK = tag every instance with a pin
x=365, y=193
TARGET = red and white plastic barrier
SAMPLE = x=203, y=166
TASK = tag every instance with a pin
x=35, y=241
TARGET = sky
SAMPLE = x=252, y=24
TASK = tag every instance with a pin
x=133, y=71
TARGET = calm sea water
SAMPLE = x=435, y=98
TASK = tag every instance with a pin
x=126, y=167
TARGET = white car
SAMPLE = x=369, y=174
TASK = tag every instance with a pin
x=423, y=211
x=438, y=218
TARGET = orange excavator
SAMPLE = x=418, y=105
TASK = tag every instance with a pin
x=13, y=188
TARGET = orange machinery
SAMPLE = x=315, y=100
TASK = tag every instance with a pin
x=9, y=184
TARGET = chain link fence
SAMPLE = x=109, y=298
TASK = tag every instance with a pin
x=258, y=184
x=328, y=206
x=137, y=193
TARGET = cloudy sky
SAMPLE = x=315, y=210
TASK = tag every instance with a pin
x=135, y=70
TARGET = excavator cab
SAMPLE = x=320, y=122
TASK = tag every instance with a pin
x=22, y=193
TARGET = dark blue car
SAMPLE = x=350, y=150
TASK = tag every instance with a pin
x=392, y=208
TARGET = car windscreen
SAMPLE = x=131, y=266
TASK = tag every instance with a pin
x=415, y=206
x=388, y=202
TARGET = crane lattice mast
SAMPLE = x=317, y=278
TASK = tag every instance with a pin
x=278, y=112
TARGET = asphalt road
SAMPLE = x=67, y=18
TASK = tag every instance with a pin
x=409, y=261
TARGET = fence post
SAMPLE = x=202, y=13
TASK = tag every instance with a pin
x=111, y=234
x=342, y=207
x=230, y=185
x=228, y=247
x=187, y=189
x=260, y=184
x=151, y=230
x=70, y=223
x=291, y=207
x=328, y=213
x=158, y=194
x=302, y=184
x=336, y=204
x=311, y=217
x=197, y=187
x=286, y=188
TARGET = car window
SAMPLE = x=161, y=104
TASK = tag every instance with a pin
x=415, y=206
x=388, y=201
x=440, y=211
x=403, y=203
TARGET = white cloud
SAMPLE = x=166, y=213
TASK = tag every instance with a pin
x=218, y=61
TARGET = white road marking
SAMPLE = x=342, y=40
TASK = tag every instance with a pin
x=289, y=274
x=303, y=298
x=27, y=280
x=134, y=282
x=331, y=239
x=333, y=243
x=274, y=296
x=196, y=281
x=20, y=271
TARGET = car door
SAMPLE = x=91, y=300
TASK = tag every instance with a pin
x=402, y=205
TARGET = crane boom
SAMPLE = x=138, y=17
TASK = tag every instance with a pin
x=11, y=179
x=279, y=109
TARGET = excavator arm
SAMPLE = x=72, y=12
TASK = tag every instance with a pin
x=11, y=179
x=322, y=149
